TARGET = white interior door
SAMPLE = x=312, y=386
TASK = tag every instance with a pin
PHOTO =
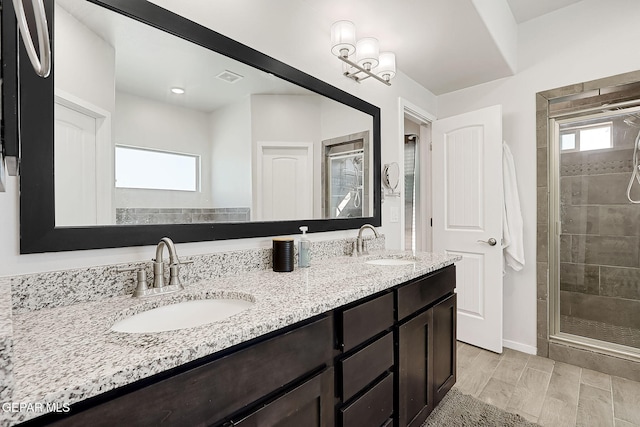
x=467, y=215
x=285, y=189
x=75, y=166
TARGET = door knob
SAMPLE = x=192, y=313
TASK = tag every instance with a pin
x=490, y=242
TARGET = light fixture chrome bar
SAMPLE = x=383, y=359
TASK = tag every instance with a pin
x=361, y=70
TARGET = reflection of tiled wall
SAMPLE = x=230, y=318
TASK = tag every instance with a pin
x=130, y=216
x=600, y=240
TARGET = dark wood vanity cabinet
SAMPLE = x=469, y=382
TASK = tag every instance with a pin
x=415, y=369
x=365, y=365
x=398, y=353
x=384, y=360
x=445, y=347
x=426, y=352
x=310, y=405
x=269, y=379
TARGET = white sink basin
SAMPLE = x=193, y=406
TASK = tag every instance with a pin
x=186, y=314
x=389, y=261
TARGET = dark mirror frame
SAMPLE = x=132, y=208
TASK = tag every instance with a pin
x=38, y=232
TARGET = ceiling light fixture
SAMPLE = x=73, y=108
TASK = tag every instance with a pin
x=177, y=90
x=362, y=56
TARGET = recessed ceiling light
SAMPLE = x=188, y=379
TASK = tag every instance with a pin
x=177, y=90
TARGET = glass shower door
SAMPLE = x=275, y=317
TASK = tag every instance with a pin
x=345, y=184
x=598, y=229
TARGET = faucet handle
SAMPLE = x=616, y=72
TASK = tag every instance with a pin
x=142, y=287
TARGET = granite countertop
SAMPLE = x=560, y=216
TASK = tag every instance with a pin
x=67, y=354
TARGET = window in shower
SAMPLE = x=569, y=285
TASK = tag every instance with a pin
x=586, y=137
x=597, y=252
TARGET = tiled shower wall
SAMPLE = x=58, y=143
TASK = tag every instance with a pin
x=600, y=242
x=610, y=89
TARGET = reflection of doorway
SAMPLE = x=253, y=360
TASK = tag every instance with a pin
x=83, y=163
x=415, y=200
x=285, y=187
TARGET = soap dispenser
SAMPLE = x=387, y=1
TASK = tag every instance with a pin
x=304, y=249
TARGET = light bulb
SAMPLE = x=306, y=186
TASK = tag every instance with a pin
x=343, y=38
x=367, y=52
x=387, y=66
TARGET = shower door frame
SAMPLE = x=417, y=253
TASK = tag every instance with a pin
x=555, y=228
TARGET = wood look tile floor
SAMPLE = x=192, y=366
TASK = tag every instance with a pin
x=547, y=392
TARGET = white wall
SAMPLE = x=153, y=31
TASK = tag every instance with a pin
x=85, y=63
x=554, y=50
x=230, y=129
x=142, y=122
x=268, y=29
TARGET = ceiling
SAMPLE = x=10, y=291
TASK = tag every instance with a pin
x=444, y=45
x=524, y=10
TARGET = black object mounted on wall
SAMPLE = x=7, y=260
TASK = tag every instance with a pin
x=9, y=57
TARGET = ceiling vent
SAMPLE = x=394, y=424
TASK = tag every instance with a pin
x=229, y=76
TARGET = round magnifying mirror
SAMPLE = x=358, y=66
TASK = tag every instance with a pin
x=391, y=176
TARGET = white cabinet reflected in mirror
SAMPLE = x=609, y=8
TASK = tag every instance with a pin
x=214, y=139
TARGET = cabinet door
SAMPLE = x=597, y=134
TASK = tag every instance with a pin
x=444, y=347
x=310, y=405
x=415, y=367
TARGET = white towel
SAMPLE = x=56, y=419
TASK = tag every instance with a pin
x=512, y=239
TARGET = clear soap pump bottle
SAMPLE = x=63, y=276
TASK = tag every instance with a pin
x=304, y=249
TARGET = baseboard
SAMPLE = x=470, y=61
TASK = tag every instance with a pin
x=513, y=345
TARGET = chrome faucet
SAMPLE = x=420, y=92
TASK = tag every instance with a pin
x=361, y=247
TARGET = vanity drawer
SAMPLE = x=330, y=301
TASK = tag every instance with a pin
x=365, y=320
x=425, y=291
x=364, y=366
x=374, y=408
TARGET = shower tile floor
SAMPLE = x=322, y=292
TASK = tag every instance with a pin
x=547, y=392
x=600, y=331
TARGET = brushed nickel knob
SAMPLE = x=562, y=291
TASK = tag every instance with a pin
x=490, y=242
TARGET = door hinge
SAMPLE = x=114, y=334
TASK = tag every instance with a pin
x=432, y=222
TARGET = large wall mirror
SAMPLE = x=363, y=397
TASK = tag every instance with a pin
x=151, y=125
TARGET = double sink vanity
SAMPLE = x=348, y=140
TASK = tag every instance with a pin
x=349, y=341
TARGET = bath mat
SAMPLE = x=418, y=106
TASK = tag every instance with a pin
x=460, y=410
